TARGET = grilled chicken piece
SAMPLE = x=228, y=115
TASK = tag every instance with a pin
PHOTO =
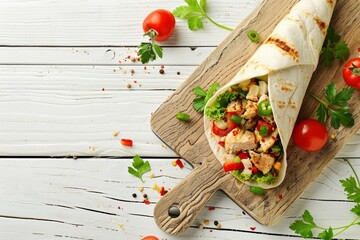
x=250, y=124
x=253, y=93
x=268, y=141
x=262, y=161
x=238, y=140
x=251, y=110
x=235, y=106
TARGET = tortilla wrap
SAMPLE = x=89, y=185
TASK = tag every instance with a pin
x=288, y=57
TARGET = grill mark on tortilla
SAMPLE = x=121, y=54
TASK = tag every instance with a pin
x=321, y=24
x=331, y=2
x=283, y=45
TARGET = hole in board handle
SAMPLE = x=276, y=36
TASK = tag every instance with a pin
x=174, y=210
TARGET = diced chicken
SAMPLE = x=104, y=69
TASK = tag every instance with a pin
x=253, y=93
x=250, y=124
x=238, y=140
x=235, y=106
x=263, y=88
x=247, y=166
x=251, y=110
x=266, y=142
x=262, y=161
x=263, y=98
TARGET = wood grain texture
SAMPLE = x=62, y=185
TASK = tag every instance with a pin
x=91, y=198
x=189, y=141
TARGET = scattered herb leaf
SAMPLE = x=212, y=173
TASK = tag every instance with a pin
x=139, y=167
x=194, y=12
x=203, y=97
x=336, y=106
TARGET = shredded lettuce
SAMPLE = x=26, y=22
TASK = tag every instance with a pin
x=217, y=110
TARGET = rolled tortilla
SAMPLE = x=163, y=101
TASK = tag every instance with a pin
x=288, y=58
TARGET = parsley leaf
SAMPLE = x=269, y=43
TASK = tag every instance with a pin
x=356, y=209
x=336, y=106
x=139, y=167
x=332, y=49
x=203, y=97
x=305, y=226
x=149, y=51
x=194, y=12
x=327, y=234
x=351, y=188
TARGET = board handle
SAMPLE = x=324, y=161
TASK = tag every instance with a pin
x=177, y=209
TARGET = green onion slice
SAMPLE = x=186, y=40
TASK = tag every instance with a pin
x=257, y=190
x=236, y=119
x=183, y=116
x=253, y=35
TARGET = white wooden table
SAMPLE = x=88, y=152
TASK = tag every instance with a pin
x=64, y=71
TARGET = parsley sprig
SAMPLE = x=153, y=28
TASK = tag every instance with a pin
x=139, y=167
x=336, y=106
x=306, y=225
x=148, y=51
x=333, y=49
x=194, y=13
x=203, y=96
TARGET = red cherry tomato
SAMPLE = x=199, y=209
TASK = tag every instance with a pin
x=310, y=135
x=351, y=73
x=231, y=125
x=162, y=21
x=150, y=238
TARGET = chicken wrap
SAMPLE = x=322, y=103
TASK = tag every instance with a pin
x=249, y=121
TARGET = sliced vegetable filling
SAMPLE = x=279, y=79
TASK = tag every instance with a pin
x=243, y=124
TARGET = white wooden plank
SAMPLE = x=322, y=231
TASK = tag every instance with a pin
x=92, y=199
x=111, y=22
x=63, y=110
x=189, y=56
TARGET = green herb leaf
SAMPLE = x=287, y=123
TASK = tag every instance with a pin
x=200, y=102
x=321, y=113
x=304, y=227
x=330, y=92
x=199, y=91
x=194, y=12
x=158, y=50
x=341, y=116
x=342, y=51
x=341, y=99
x=351, y=188
x=327, y=234
x=146, y=52
x=242, y=93
x=332, y=49
x=139, y=167
x=356, y=209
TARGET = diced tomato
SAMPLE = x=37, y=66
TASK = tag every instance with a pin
x=150, y=238
x=254, y=170
x=126, y=142
x=147, y=202
x=162, y=191
x=179, y=163
x=265, y=124
x=243, y=155
x=231, y=166
x=231, y=125
x=221, y=144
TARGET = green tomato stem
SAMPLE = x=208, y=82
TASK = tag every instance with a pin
x=218, y=24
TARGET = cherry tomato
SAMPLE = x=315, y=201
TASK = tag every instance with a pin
x=162, y=21
x=310, y=135
x=351, y=73
x=150, y=238
x=231, y=125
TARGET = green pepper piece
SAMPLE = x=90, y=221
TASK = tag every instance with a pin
x=265, y=108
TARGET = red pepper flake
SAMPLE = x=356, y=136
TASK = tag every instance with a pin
x=179, y=163
x=135, y=81
x=162, y=66
x=275, y=139
x=162, y=191
x=222, y=144
x=129, y=57
x=252, y=228
x=235, y=132
x=145, y=68
x=147, y=202
x=262, y=139
x=126, y=142
x=280, y=196
x=211, y=208
x=210, y=230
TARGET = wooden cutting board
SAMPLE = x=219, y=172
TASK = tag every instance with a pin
x=188, y=139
